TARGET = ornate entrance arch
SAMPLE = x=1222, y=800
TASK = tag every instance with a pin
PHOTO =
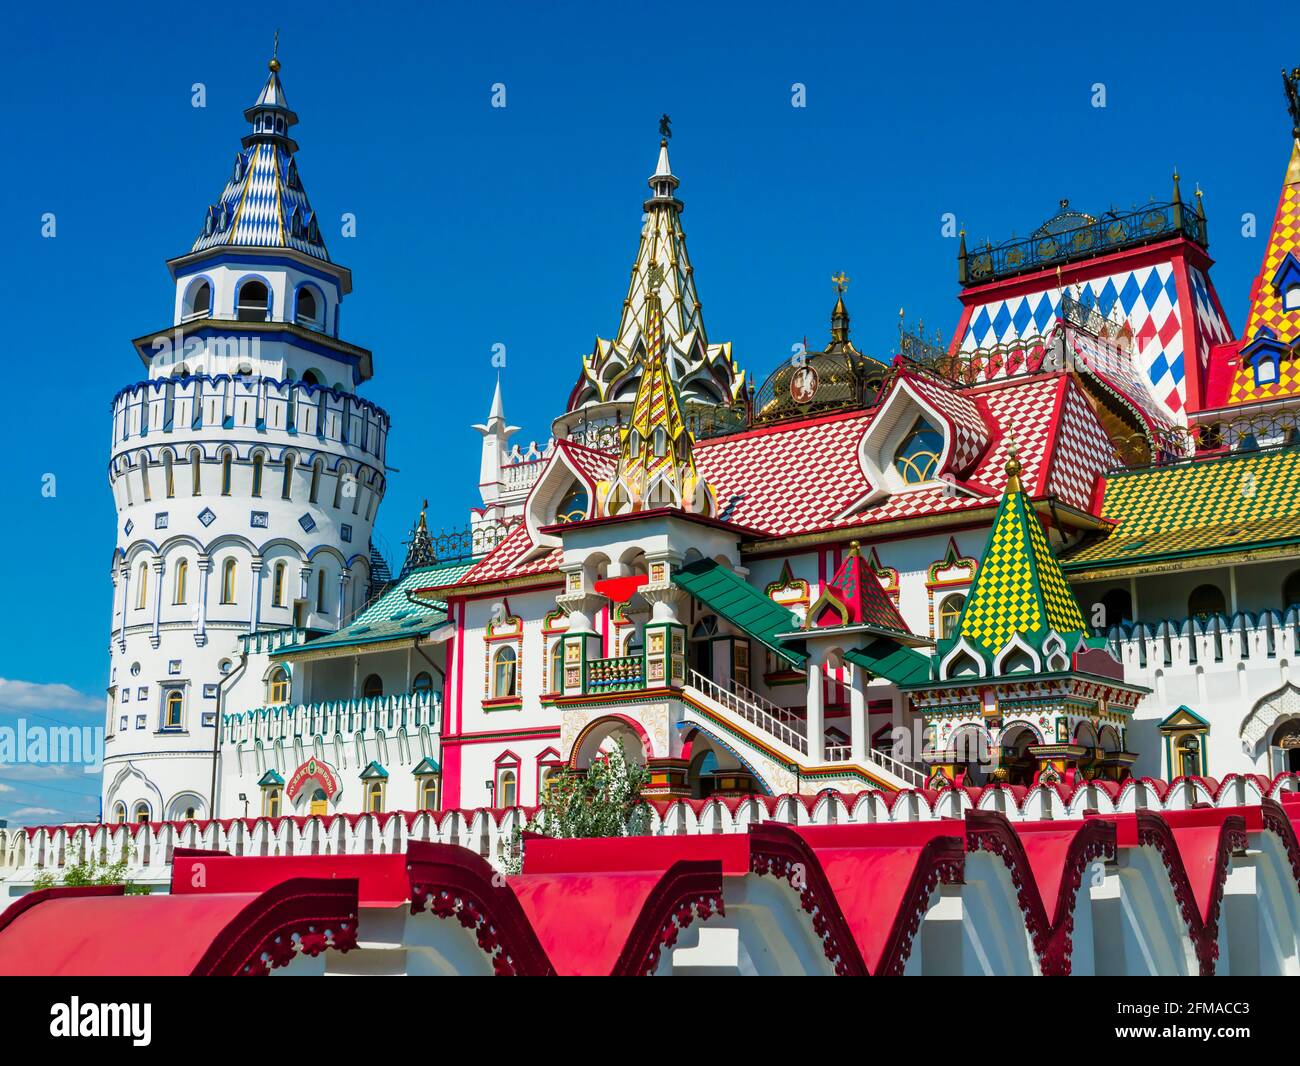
x=1259, y=723
x=627, y=731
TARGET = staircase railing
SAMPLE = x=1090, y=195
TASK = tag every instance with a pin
x=789, y=730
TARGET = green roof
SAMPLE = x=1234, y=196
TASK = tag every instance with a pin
x=392, y=616
x=1230, y=503
x=372, y=771
x=731, y=596
x=889, y=659
x=271, y=777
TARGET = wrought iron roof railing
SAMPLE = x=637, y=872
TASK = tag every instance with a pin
x=1111, y=232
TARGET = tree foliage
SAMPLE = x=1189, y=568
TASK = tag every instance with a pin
x=93, y=872
x=605, y=801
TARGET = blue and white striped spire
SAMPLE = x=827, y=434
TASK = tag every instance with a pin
x=264, y=204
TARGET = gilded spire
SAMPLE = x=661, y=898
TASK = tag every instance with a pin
x=656, y=467
x=1013, y=469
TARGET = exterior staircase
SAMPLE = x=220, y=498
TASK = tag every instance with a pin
x=774, y=742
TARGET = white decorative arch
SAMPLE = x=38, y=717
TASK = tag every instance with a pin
x=960, y=651
x=126, y=773
x=1016, y=645
x=1259, y=723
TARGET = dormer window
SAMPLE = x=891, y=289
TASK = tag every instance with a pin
x=633, y=443
x=572, y=506
x=660, y=442
x=918, y=454
x=1266, y=367
x=253, y=303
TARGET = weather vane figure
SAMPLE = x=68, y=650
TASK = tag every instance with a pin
x=1291, y=86
x=665, y=127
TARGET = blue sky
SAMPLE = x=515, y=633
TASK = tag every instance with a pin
x=479, y=226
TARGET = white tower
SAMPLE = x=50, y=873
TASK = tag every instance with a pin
x=245, y=469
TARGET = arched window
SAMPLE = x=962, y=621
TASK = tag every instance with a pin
x=228, y=574
x=315, y=480
x=504, y=674
x=173, y=708
x=423, y=682
x=1205, y=601
x=1291, y=590
x=1291, y=299
x=307, y=313
x=119, y=813
x=375, y=797
x=169, y=475
x=1116, y=608
x=372, y=687
x=429, y=793
x=950, y=615
x=557, y=665
x=572, y=506
x=253, y=302
x=225, y=474
x=918, y=454
x=286, y=490
x=178, y=582
x=547, y=779
x=277, y=584
x=321, y=606
x=271, y=808
x=277, y=686
x=196, y=472
x=144, y=477
x=507, y=788
x=258, y=463
x=142, y=586
x=660, y=441
x=310, y=377
x=142, y=812
x=198, y=302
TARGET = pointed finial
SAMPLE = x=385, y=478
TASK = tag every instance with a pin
x=840, y=281
x=1178, y=199
x=855, y=548
x=274, y=64
x=1013, y=467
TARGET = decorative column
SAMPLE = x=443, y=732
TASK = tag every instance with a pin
x=816, y=715
x=201, y=621
x=859, y=719
x=304, y=584
x=255, y=612
x=158, y=567
x=581, y=641
x=345, y=578
x=665, y=635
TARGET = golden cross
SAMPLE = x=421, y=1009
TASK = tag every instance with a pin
x=840, y=281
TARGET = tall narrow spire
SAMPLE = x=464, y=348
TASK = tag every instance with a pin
x=264, y=204
x=419, y=548
x=704, y=373
x=656, y=466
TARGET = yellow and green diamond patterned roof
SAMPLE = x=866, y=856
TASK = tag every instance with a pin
x=1019, y=587
x=1226, y=504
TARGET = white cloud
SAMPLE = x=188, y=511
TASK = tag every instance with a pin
x=27, y=812
x=36, y=696
x=5, y=788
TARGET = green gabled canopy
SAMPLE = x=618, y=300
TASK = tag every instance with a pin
x=1019, y=589
x=374, y=770
x=426, y=766
x=731, y=596
x=270, y=778
x=889, y=659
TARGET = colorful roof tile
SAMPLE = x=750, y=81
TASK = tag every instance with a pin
x=1269, y=319
x=1230, y=502
x=1019, y=589
x=264, y=204
x=854, y=597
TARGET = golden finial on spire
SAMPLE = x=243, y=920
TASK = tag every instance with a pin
x=855, y=547
x=840, y=281
x=1013, y=467
x=274, y=64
